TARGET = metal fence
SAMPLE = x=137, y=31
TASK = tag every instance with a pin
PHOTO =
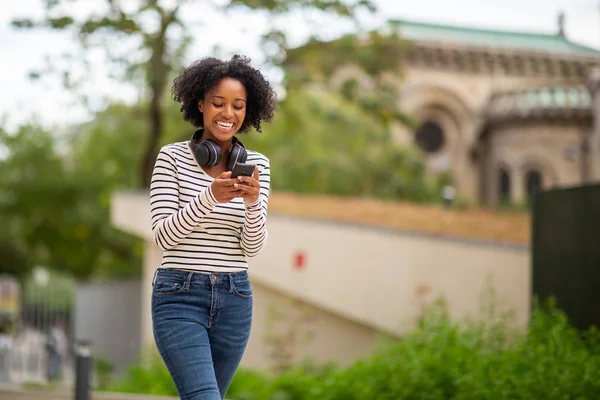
x=566, y=251
x=35, y=344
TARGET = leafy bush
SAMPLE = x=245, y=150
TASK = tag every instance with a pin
x=472, y=360
x=442, y=359
x=150, y=378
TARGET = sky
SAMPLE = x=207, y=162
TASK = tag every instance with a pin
x=46, y=102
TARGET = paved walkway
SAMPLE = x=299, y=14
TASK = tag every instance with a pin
x=15, y=392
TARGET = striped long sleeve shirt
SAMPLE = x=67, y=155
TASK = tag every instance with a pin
x=196, y=232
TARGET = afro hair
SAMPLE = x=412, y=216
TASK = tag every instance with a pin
x=204, y=74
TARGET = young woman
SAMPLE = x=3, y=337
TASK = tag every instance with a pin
x=208, y=224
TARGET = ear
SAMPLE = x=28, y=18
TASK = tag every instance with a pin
x=200, y=105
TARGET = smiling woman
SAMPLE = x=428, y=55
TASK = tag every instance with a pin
x=208, y=224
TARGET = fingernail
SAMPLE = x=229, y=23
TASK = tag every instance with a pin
x=236, y=185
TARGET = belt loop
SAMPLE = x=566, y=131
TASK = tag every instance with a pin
x=231, y=283
x=188, y=280
x=154, y=277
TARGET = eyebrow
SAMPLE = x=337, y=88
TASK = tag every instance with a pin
x=223, y=98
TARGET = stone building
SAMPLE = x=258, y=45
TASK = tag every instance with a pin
x=502, y=112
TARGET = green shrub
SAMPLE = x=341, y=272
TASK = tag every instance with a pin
x=470, y=360
x=103, y=368
x=443, y=359
x=250, y=385
x=151, y=378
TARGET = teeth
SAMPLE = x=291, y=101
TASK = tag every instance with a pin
x=226, y=125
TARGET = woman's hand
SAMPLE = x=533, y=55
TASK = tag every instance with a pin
x=223, y=188
x=249, y=187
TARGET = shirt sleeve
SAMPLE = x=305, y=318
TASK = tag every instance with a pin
x=254, y=232
x=170, y=224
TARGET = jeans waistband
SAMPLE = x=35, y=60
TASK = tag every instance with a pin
x=190, y=275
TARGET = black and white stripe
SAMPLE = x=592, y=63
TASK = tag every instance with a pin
x=193, y=229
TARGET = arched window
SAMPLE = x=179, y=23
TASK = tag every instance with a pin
x=504, y=184
x=533, y=182
x=430, y=137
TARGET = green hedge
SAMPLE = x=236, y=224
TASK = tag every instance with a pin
x=441, y=359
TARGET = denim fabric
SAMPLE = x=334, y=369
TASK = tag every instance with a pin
x=201, y=325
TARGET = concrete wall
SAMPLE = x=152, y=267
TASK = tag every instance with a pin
x=356, y=283
x=109, y=315
x=378, y=277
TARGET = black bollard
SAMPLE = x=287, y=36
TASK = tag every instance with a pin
x=83, y=363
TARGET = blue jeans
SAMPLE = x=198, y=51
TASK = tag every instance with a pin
x=201, y=324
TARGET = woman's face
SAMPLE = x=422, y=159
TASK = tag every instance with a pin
x=224, y=109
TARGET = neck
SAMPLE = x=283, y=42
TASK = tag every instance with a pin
x=225, y=146
x=225, y=149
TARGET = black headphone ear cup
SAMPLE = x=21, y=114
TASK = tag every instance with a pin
x=238, y=155
x=213, y=152
x=200, y=154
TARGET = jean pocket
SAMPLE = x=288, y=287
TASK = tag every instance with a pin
x=242, y=288
x=167, y=286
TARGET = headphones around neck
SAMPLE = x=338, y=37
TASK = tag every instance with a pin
x=208, y=152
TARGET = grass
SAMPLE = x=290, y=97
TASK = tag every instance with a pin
x=474, y=223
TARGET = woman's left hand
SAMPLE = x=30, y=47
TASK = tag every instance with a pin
x=250, y=186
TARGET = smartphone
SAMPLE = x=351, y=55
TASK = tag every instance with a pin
x=241, y=169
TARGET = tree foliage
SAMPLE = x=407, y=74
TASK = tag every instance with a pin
x=55, y=189
x=158, y=53
x=321, y=142
x=376, y=59
x=54, y=213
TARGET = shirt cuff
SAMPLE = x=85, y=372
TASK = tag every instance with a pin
x=253, y=205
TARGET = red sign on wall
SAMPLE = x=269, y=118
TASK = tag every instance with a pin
x=299, y=260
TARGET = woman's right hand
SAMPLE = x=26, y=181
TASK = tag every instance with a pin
x=223, y=188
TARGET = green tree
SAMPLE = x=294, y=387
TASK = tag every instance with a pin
x=321, y=142
x=376, y=55
x=159, y=53
x=55, y=214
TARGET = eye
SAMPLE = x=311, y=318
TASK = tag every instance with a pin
x=217, y=105
x=239, y=107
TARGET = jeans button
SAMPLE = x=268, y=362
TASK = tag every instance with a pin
x=214, y=277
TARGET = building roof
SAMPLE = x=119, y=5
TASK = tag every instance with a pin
x=510, y=40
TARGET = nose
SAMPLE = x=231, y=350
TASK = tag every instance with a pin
x=228, y=112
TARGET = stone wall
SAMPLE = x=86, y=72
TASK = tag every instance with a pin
x=551, y=149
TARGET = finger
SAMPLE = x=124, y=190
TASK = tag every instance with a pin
x=225, y=175
x=237, y=193
x=231, y=190
x=227, y=182
x=245, y=188
x=249, y=180
x=255, y=175
x=233, y=196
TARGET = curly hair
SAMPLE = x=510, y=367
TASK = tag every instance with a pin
x=204, y=74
